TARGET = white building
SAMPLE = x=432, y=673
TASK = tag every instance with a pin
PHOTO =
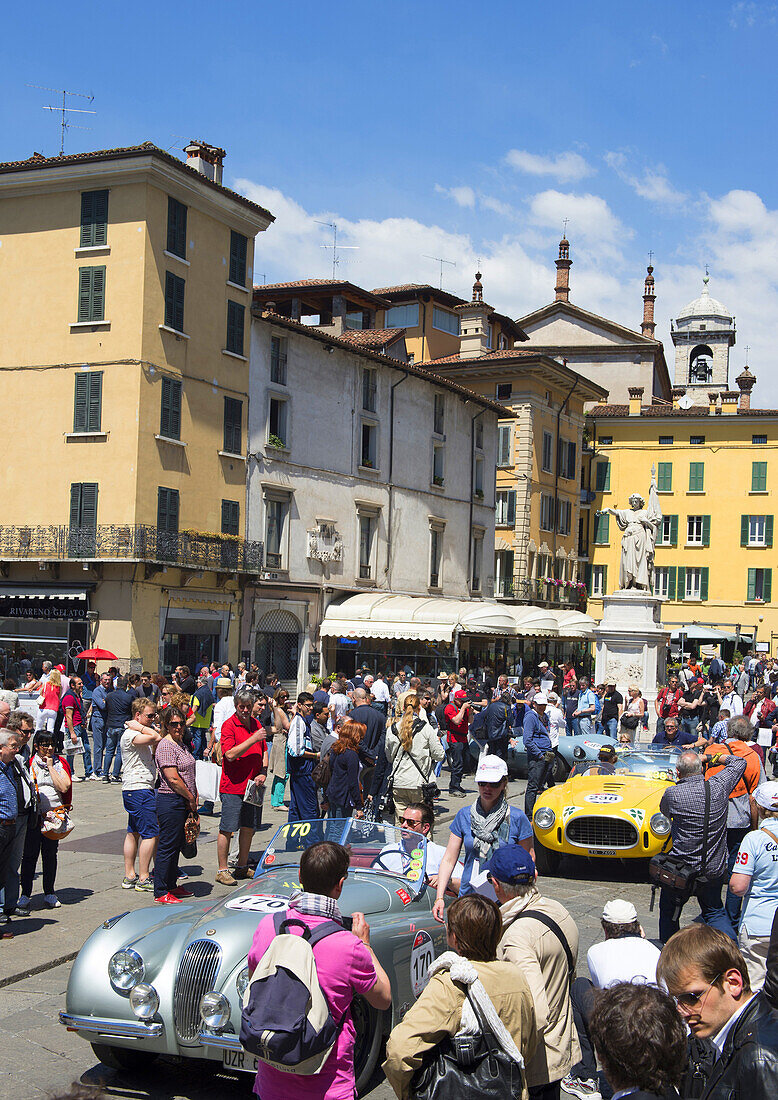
x=703, y=333
x=366, y=474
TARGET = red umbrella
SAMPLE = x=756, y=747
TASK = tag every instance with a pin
x=95, y=655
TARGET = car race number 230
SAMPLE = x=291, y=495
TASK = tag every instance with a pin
x=422, y=956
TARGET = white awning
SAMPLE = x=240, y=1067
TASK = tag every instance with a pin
x=573, y=624
x=378, y=615
x=532, y=621
x=8, y=592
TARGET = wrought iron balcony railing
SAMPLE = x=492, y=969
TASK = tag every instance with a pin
x=132, y=542
x=539, y=592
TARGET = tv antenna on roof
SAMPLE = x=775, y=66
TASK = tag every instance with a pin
x=64, y=110
x=334, y=245
x=441, y=261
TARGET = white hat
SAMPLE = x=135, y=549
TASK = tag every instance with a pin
x=540, y=698
x=491, y=769
x=620, y=912
x=543, y=664
x=766, y=795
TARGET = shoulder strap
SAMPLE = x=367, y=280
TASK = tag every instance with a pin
x=771, y=835
x=706, y=822
x=552, y=925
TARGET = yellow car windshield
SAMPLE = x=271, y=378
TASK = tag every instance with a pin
x=641, y=765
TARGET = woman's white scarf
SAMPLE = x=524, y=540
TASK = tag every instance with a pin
x=485, y=827
x=462, y=970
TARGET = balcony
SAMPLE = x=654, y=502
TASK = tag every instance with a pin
x=132, y=542
x=541, y=592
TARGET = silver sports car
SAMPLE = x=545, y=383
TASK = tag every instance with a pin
x=160, y=981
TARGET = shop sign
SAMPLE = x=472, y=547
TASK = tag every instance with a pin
x=42, y=609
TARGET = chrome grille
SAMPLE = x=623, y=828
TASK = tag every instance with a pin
x=601, y=832
x=196, y=975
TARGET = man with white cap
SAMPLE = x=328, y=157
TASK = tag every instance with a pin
x=755, y=876
x=625, y=955
x=537, y=742
x=546, y=677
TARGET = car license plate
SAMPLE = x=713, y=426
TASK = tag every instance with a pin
x=239, y=1060
x=602, y=852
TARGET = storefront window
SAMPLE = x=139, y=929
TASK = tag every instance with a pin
x=38, y=641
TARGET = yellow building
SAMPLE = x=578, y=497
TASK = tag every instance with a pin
x=714, y=553
x=125, y=313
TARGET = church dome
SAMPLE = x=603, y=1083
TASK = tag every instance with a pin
x=704, y=306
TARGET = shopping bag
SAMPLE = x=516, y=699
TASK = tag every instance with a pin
x=207, y=776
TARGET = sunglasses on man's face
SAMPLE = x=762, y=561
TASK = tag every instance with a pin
x=411, y=824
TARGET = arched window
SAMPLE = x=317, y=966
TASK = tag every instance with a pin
x=700, y=365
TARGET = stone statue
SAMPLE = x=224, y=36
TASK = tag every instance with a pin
x=640, y=526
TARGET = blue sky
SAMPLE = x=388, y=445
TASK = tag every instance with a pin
x=456, y=130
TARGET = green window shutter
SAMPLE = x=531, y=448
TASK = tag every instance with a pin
x=665, y=477
x=696, y=477
x=704, y=583
x=768, y=530
x=605, y=578
x=176, y=227
x=89, y=504
x=80, y=403
x=588, y=577
x=238, y=248
x=758, y=477
x=681, y=582
x=233, y=425
x=673, y=530
x=94, y=219
x=671, y=579
x=85, y=294
x=175, y=289
x=94, y=400
x=751, y=591
x=511, y=509
x=75, y=504
x=167, y=510
x=744, y=530
x=767, y=585
x=603, y=476
x=602, y=528
x=706, y=530
x=230, y=517
x=235, y=319
x=170, y=409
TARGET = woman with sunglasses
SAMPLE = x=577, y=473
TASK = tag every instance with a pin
x=176, y=799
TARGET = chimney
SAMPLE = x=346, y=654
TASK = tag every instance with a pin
x=474, y=324
x=745, y=383
x=563, y=263
x=649, y=297
x=635, y=400
x=713, y=402
x=678, y=392
x=206, y=159
x=729, y=402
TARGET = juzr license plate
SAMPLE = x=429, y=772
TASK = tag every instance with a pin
x=602, y=852
x=239, y=1060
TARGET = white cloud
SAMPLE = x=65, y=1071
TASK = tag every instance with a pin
x=564, y=167
x=747, y=13
x=589, y=216
x=651, y=184
x=497, y=206
x=462, y=196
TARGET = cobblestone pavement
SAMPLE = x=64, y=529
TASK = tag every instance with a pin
x=41, y=1058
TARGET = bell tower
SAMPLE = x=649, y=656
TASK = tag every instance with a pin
x=703, y=332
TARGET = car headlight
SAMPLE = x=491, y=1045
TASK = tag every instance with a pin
x=215, y=1010
x=242, y=982
x=144, y=1001
x=660, y=824
x=125, y=969
x=544, y=817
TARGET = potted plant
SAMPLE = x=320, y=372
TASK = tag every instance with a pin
x=366, y=464
x=479, y=494
x=276, y=442
x=437, y=479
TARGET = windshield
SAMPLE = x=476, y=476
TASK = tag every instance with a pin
x=372, y=846
x=646, y=764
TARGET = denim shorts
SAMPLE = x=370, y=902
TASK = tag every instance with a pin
x=237, y=814
x=141, y=807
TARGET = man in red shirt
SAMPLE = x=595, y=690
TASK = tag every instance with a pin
x=457, y=715
x=73, y=708
x=244, y=757
x=666, y=704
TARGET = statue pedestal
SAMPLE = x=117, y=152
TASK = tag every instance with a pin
x=631, y=643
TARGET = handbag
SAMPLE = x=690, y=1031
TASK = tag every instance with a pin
x=429, y=789
x=463, y=1067
x=630, y=721
x=191, y=833
x=57, y=823
x=670, y=870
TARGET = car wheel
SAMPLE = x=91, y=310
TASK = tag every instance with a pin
x=546, y=861
x=560, y=769
x=370, y=1033
x=123, y=1058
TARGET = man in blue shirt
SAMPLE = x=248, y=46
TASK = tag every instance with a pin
x=498, y=723
x=672, y=735
x=537, y=743
x=587, y=707
x=98, y=721
x=10, y=802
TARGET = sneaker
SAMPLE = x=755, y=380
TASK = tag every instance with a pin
x=241, y=872
x=128, y=883
x=225, y=878
x=77, y=779
x=23, y=906
x=182, y=873
x=182, y=892
x=94, y=777
x=105, y=778
x=168, y=899
x=5, y=918
x=584, y=1088
x=144, y=884
x=52, y=901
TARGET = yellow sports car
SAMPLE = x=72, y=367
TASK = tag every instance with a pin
x=606, y=810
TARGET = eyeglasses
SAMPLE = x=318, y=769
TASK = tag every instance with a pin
x=411, y=824
x=690, y=1000
x=172, y=724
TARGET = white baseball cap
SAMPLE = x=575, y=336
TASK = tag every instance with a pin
x=491, y=769
x=541, y=698
x=619, y=911
x=766, y=795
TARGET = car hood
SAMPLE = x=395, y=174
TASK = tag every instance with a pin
x=620, y=791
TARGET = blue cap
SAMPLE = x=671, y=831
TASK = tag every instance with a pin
x=511, y=864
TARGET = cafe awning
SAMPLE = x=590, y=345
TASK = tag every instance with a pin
x=434, y=619
x=533, y=622
x=573, y=624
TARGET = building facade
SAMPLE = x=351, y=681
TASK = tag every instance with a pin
x=703, y=332
x=125, y=493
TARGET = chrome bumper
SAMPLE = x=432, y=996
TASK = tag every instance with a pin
x=118, y=1029
x=223, y=1042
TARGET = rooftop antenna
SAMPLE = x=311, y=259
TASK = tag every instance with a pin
x=64, y=110
x=441, y=261
x=334, y=246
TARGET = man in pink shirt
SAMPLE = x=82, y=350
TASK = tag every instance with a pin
x=345, y=965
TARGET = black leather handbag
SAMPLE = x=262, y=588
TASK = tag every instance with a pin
x=468, y=1067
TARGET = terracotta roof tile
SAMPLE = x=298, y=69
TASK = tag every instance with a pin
x=372, y=337
x=350, y=290
x=698, y=412
x=503, y=353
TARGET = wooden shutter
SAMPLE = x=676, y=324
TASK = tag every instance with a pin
x=503, y=445
x=744, y=522
x=704, y=583
x=588, y=578
x=176, y=227
x=673, y=530
x=167, y=510
x=94, y=219
x=233, y=418
x=89, y=504
x=94, y=400
x=175, y=290
x=751, y=590
x=603, y=475
x=230, y=517
x=170, y=411
x=98, y=294
x=75, y=504
x=235, y=316
x=238, y=245
x=758, y=477
x=571, y=457
x=85, y=294
x=706, y=530
x=80, y=403
x=601, y=528
x=681, y=582
x=671, y=580
x=768, y=530
x=696, y=477
x=767, y=585
x=510, y=519
x=665, y=477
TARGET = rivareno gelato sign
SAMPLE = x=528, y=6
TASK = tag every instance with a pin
x=18, y=607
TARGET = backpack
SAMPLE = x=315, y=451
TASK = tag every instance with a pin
x=286, y=1019
x=322, y=772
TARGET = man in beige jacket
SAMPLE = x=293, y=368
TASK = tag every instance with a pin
x=541, y=938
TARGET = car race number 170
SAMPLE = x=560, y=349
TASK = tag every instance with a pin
x=422, y=956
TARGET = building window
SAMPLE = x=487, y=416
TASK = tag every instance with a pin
x=758, y=477
x=664, y=478
x=697, y=440
x=275, y=521
x=548, y=446
x=438, y=464
x=668, y=531
x=566, y=459
x=758, y=440
x=602, y=482
x=83, y=504
x=503, y=573
x=756, y=530
x=230, y=517
x=369, y=387
x=693, y=583
x=369, y=447
x=278, y=427
x=606, y=440
x=94, y=219
x=662, y=581
x=436, y=556
x=504, y=445
x=479, y=434
x=445, y=321
x=278, y=360
x=406, y=316
x=176, y=227
x=236, y=314
x=502, y=342
x=167, y=511
x=88, y=400
x=233, y=426
x=696, y=477
x=478, y=479
x=760, y=583
x=490, y=336
x=504, y=391
x=546, y=512
x=565, y=515
x=601, y=529
x=665, y=441
x=478, y=553
x=175, y=289
x=599, y=580
x=91, y=293
x=505, y=508
x=238, y=252
x=170, y=409
x=366, y=533
x=698, y=530
x=438, y=416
